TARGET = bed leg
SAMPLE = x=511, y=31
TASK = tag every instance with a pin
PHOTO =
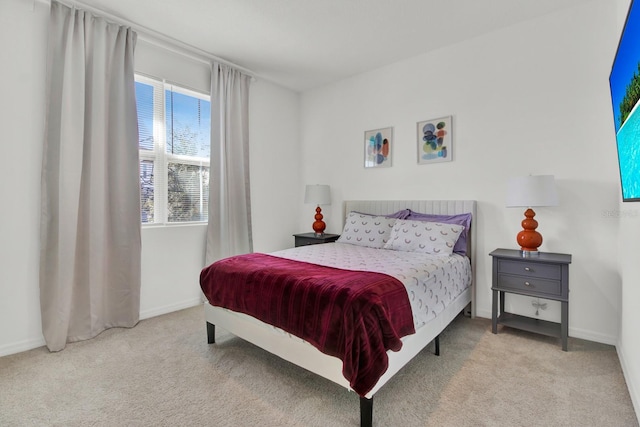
x=366, y=412
x=467, y=311
x=437, y=341
x=211, y=333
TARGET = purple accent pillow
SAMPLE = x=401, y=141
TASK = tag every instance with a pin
x=397, y=215
x=460, y=219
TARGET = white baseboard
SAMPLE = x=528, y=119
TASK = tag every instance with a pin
x=634, y=394
x=158, y=311
x=21, y=346
x=482, y=313
x=573, y=332
x=593, y=336
x=30, y=344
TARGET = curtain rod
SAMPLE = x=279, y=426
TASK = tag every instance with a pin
x=156, y=38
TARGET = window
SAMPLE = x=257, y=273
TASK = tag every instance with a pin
x=174, y=139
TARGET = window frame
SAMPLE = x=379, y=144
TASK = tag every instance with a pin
x=159, y=155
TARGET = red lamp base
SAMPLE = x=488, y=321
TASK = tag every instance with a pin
x=529, y=239
x=319, y=225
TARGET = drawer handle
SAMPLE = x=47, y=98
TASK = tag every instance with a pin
x=527, y=284
x=527, y=269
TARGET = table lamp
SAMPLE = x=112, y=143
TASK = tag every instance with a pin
x=531, y=191
x=318, y=195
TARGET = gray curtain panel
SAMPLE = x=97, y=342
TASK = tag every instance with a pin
x=229, y=228
x=90, y=217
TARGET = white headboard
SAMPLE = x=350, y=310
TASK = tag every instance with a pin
x=441, y=207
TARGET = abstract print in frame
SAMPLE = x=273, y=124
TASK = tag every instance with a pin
x=377, y=148
x=435, y=141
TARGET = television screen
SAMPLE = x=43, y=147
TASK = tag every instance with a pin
x=624, y=82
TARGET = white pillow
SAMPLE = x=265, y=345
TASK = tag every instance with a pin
x=366, y=230
x=427, y=237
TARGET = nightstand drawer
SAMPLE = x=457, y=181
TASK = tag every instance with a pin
x=303, y=241
x=530, y=269
x=530, y=285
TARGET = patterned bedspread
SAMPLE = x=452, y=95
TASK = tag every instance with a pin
x=432, y=282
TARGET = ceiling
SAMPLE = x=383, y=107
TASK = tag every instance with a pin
x=303, y=44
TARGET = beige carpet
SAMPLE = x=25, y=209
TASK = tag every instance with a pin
x=163, y=373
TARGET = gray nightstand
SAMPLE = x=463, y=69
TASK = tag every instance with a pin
x=305, y=239
x=545, y=275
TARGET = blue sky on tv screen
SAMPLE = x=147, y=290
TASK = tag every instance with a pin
x=626, y=60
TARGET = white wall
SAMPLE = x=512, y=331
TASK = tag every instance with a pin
x=171, y=256
x=531, y=98
x=275, y=166
x=629, y=343
x=629, y=241
x=22, y=64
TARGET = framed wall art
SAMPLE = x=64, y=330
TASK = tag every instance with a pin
x=377, y=148
x=435, y=141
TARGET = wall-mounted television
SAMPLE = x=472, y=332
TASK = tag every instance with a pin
x=624, y=82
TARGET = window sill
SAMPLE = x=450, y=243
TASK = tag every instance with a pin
x=173, y=224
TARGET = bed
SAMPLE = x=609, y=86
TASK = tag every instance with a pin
x=427, y=326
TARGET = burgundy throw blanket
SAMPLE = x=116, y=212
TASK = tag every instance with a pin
x=354, y=315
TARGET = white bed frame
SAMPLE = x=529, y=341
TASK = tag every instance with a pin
x=306, y=356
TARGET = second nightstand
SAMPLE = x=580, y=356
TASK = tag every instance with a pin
x=305, y=239
x=544, y=275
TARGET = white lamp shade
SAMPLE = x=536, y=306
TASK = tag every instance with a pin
x=531, y=191
x=317, y=194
